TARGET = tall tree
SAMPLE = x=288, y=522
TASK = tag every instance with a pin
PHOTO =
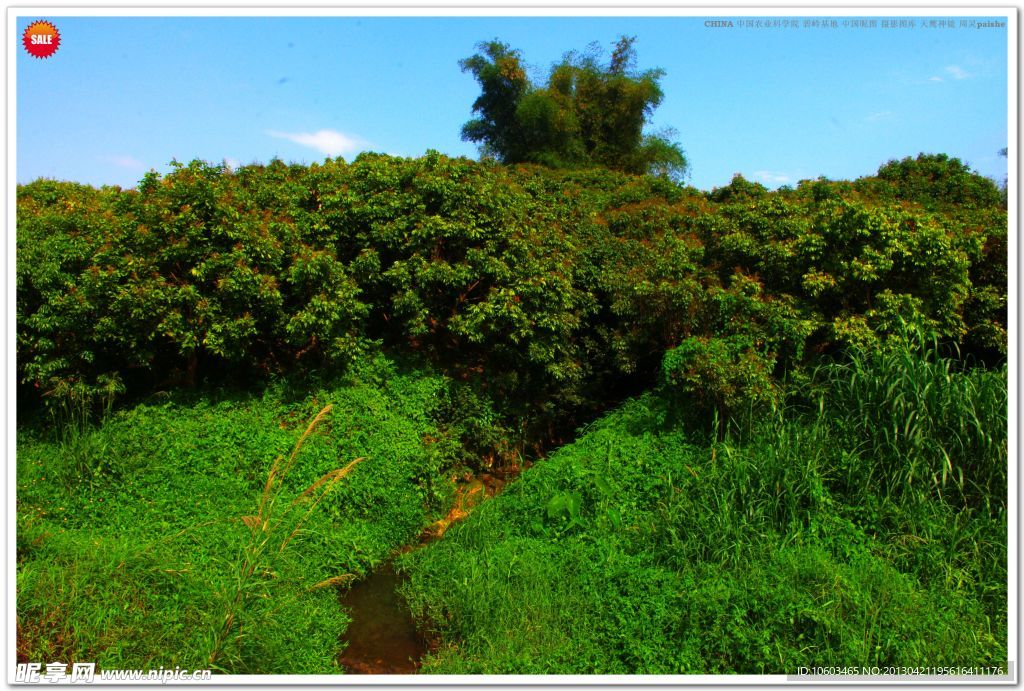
x=588, y=113
x=503, y=85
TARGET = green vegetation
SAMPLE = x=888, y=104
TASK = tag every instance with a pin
x=162, y=537
x=545, y=289
x=588, y=114
x=817, y=536
x=800, y=454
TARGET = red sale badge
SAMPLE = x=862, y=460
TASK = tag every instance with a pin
x=41, y=39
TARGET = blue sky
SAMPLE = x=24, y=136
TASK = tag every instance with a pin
x=124, y=95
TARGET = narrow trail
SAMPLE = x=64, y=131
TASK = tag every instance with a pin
x=382, y=637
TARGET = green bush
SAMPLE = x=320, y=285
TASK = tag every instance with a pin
x=938, y=181
x=722, y=375
x=546, y=291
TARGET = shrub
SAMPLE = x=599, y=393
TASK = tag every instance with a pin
x=723, y=375
x=547, y=291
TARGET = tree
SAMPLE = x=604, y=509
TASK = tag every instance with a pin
x=587, y=114
x=1004, y=152
x=504, y=83
x=939, y=181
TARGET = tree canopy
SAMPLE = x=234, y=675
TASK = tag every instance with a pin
x=589, y=113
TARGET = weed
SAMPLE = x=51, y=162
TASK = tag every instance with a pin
x=272, y=527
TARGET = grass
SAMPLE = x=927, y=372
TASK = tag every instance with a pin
x=271, y=529
x=864, y=526
x=927, y=425
x=187, y=544
x=819, y=537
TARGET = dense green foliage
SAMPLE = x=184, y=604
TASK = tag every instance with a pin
x=819, y=537
x=135, y=539
x=547, y=289
x=588, y=114
x=811, y=465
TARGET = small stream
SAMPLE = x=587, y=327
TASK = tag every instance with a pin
x=382, y=637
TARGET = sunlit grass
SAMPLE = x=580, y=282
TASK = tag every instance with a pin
x=151, y=561
x=819, y=537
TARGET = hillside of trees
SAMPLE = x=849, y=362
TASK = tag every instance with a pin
x=549, y=289
x=735, y=431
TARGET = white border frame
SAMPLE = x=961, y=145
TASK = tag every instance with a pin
x=461, y=9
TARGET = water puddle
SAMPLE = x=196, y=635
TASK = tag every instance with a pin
x=382, y=638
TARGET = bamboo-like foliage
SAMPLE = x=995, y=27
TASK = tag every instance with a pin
x=925, y=423
x=587, y=114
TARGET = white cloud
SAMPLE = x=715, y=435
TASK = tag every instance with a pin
x=232, y=163
x=772, y=178
x=129, y=162
x=330, y=142
x=935, y=79
x=881, y=115
x=957, y=72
